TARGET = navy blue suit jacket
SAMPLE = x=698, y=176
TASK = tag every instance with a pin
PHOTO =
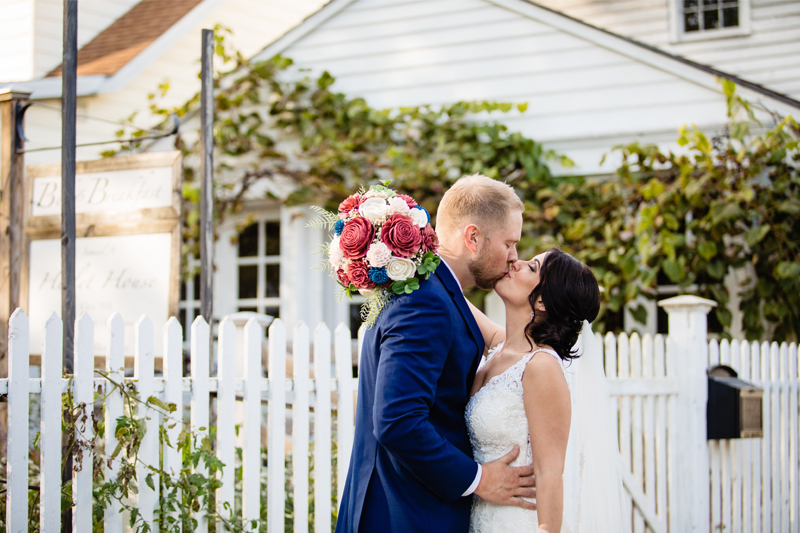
x=411, y=458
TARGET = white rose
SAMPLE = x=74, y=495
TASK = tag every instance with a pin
x=400, y=269
x=373, y=209
x=378, y=255
x=397, y=206
x=419, y=217
x=369, y=293
x=335, y=255
x=372, y=193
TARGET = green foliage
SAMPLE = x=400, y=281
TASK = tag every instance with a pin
x=726, y=201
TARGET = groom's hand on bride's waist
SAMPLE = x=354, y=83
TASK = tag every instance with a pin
x=507, y=485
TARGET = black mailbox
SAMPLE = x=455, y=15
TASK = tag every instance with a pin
x=734, y=406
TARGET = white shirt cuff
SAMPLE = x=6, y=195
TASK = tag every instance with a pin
x=475, y=483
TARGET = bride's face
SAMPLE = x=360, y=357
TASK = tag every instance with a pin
x=523, y=276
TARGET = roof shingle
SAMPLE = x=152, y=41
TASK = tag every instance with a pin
x=128, y=36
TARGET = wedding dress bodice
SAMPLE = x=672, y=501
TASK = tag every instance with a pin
x=496, y=421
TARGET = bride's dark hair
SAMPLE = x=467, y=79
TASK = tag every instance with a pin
x=570, y=295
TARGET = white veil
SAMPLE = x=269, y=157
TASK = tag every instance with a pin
x=593, y=493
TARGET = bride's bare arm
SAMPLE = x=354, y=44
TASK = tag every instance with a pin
x=548, y=409
x=493, y=334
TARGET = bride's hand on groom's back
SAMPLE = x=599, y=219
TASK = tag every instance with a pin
x=507, y=485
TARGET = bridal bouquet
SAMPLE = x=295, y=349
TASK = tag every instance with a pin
x=383, y=245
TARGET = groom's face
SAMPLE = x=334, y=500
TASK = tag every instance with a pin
x=497, y=249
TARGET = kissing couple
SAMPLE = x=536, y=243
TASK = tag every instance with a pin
x=465, y=425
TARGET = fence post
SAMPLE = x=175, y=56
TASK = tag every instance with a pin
x=688, y=349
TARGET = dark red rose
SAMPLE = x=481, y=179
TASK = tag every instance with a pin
x=343, y=277
x=356, y=237
x=350, y=203
x=430, y=241
x=410, y=201
x=401, y=236
x=358, y=272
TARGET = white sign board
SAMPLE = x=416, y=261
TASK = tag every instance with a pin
x=116, y=190
x=127, y=253
x=124, y=274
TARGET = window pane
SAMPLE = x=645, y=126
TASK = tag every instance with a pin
x=273, y=238
x=253, y=309
x=730, y=17
x=355, y=320
x=183, y=290
x=273, y=311
x=711, y=19
x=689, y=4
x=248, y=280
x=709, y=3
x=196, y=282
x=273, y=280
x=248, y=241
x=690, y=22
x=182, y=318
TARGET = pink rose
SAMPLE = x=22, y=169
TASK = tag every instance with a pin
x=401, y=235
x=343, y=278
x=358, y=271
x=410, y=201
x=356, y=238
x=430, y=241
x=350, y=203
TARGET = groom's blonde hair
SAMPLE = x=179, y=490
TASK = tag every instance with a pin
x=476, y=199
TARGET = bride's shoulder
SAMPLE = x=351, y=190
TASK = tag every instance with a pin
x=543, y=363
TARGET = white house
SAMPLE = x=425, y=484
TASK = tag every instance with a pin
x=627, y=71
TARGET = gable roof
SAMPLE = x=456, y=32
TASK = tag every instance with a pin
x=681, y=67
x=128, y=36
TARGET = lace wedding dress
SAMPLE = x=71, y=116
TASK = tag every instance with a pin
x=593, y=493
x=496, y=421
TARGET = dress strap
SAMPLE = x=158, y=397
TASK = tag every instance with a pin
x=493, y=351
x=546, y=350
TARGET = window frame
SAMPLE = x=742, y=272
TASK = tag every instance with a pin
x=678, y=35
x=261, y=302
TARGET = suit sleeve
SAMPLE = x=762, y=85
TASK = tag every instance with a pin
x=414, y=350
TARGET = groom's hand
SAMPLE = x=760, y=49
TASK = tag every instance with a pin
x=507, y=485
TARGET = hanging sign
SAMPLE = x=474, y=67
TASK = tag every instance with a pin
x=127, y=256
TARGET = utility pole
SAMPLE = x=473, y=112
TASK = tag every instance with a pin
x=69, y=102
x=12, y=179
x=207, y=176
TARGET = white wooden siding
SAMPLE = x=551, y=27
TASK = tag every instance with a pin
x=16, y=40
x=409, y=53
x=770, y=55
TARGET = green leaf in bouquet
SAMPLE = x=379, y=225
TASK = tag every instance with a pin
x=428, y=264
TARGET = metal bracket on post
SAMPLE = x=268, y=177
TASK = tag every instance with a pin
x=687, y=350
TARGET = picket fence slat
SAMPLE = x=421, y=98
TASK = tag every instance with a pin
x=173, y=393
x=735, y=451
x=50, y=430
x=659, y=370
x=300, y=427
x=766, y=470
x=637, y=430
x=17, y=445
x=344, y=408
x=784, y=434
x=83, y=395
x=143, y=373
x=725, y=455
x=113, y=409
x=625, y=425
x=794, y=462
x=757, y=493
x=226, y=425
x=251, y=452
x=322, y=429
x=775, y=435
x=649, y=441
x=200, y=397
x=276, y=425
x=746, y=451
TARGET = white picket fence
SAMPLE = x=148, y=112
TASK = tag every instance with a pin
x=676, y=480
x=301, y=391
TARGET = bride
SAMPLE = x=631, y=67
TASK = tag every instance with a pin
x=541, y=392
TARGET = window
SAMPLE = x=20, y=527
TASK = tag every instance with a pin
x=189, y=303
x=258, y=267
x=704, y=15
x=698, y=20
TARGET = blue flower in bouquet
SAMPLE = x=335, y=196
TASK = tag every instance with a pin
x=378, y=275
x=339, y=227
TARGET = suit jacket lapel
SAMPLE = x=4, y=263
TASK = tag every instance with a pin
x=451, y=285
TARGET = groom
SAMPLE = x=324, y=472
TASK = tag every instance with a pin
x=411, y=468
